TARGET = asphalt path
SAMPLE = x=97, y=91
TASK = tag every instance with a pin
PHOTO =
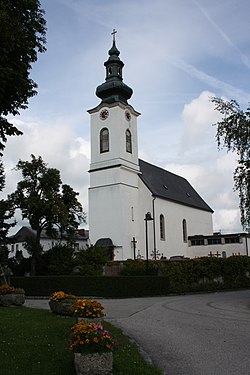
x=201, y=334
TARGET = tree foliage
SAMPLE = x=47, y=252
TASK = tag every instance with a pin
x=22, y=36
x=91, y=260
x=233, y=133
x=40, y=196
x=6, y=213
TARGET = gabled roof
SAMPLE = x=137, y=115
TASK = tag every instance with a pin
x=169, y=186
x=26, y=232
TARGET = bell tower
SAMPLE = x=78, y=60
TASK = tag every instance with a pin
x=114, y=167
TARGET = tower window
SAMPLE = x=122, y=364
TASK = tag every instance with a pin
x=162, y=228
x=104, y=140
x=128, y=141
x=184, y=230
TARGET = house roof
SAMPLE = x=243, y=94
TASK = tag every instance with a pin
x=26, y=232
x=169, y=186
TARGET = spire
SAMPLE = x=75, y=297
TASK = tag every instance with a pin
x=114, y=90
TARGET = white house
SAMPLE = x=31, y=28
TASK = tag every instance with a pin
x=16, y=244
x=137, y=208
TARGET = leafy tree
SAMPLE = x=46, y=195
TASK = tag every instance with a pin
x=72, y=215
x=22, y=36
x=60, y=259
x=233, y=132
x=91, y=260
x=6, y=213
x=39, y=198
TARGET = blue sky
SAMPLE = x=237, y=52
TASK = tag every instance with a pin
x=177, y=55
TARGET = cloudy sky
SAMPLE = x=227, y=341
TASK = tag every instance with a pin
x=177, y=54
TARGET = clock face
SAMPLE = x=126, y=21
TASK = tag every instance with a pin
x=127, y=115
x=104, y=114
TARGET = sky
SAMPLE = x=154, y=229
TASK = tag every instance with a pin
x=178, y=54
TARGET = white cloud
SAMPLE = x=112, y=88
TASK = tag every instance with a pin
x=210, y=172
x=58, y=145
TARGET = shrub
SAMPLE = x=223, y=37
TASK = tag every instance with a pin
x=91, y=260
x=140, y=268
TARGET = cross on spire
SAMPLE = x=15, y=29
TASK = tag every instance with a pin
x=113, y=33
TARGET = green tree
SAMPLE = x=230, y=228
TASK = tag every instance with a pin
x=40, y=200
x=233, y=133
x=22, y=36
x=91, y=260
x=73, y=214
x=6, y=213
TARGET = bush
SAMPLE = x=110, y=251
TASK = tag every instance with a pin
x=140, y=268
x=90, y=261
x=204, y=274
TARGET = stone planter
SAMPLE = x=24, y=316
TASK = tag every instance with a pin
x=93, y=363
x=16, y=299
x=64, y=307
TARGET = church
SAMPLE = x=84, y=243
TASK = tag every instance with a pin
x=138, y=210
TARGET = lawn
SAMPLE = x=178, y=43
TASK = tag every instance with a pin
x=35, y=342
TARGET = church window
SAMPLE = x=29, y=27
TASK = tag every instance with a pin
x=128, y=141
x=162, y=227
x=184, y=230
x=132, y=214
x=104, y=140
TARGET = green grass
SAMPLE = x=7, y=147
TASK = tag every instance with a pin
x=35, y=342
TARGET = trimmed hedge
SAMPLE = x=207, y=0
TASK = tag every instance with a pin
x=194, y=275
x=100, y=286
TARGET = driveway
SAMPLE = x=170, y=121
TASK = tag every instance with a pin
x=202, y=334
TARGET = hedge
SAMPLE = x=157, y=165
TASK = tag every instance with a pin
x=194, y=275
x=100, y=286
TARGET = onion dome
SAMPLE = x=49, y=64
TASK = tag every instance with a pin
x=113, y=89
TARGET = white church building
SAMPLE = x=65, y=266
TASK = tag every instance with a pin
x=138, y=209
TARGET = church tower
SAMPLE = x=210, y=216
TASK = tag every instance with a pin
x=114, y=166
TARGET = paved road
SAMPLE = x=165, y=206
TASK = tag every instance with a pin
x=204, y=334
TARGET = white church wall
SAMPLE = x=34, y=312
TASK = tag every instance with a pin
x=198, y=221
x=113, y=209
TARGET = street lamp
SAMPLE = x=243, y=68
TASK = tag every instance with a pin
x=147, y=218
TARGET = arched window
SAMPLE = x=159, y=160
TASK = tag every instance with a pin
x=128, y=141
x=184, y=230
x=162, y=227
x=104, y=140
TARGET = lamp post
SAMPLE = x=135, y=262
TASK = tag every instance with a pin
x=147, y=218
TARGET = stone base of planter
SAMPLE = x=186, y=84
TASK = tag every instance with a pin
x=62, y=308
x=12, y=299
x=94, y=363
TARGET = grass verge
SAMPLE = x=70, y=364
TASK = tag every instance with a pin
x=34, y=342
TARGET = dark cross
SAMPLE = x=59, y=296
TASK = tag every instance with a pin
x=134, y=242
x=113, y=33
x=217, y=254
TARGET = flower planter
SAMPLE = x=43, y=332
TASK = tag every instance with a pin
x=93, y=363
x=64, y=307
x=8, y=299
